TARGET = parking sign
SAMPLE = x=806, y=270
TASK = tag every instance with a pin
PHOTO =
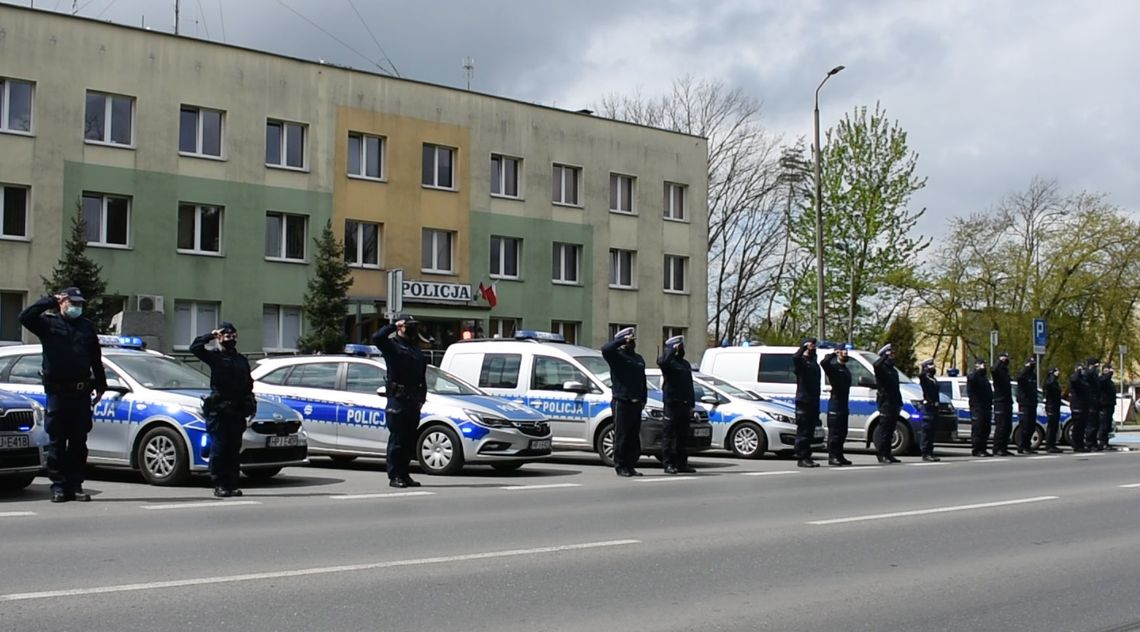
x=1040, y=335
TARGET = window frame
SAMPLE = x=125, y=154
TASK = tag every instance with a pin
x=27, y=236
x=632, y=185
x=381, y=158
x=6, y=106
x=670, y=274
x=105, y=140
x=198, y=212
x=502, y=255
x=14, y=323
x=668, y=331
x=616, y=327
x=561, y=327
x=193, y=303
x=577, y=249
x=669, y=213
x=199, y=133
x=283, y=148
x=495, y=326
x=435, y=170
x=486, y=368
x=615, y=272
x=434, y=250
x=518, y=195
x=560, y=169
x=282, y=258
x=358, y=240
x=103, y=210
x=281, y=327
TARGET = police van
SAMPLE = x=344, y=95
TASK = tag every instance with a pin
x=342, y=400
x=569, y=384
x=953, y=386
x=150, y=418
x=769, y=371
x=22, y=441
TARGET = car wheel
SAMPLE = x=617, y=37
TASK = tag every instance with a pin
x=162, y=457
x=747, y=440
x=1067, y=433
x=342, y=459
x=440, y=452
x=15, y=482
x=507, y=466
x=605, y=444
x=261, y=473
x=902, y=443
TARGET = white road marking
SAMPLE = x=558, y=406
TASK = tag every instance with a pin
x=1093, y=454
x=16, y=514
x=303, y=572
x=855, y=468
x=925, y=464
x=990, y=459
x=935, y=510
x=658, y=479
x=1131, y=485
x=550, y=486
x=208, y=503
x=383, y=495
x=1038, y=458
x=773, y=473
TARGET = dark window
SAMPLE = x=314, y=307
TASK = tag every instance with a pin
x=777, y=368
x=550, y=374
x=276, y=377
x=500, y=370
x=316, y=375
x=11, y=304
x=363, y=378
x=26, y=370
x=947, y=389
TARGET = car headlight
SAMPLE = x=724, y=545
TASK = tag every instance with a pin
x=917, y=403
x=653, y=413
x=486, y=420
x=37, y=414
x=784, y=419
x=193, y=410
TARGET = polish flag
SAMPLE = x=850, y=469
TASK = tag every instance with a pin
x=488, y=292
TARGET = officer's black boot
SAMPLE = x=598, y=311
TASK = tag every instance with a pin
x=79, y=495
x=686, y=469
x=410, y=482
x=808, y=462
x=670, y=469
x=836, y=461
x=59, y=497
x=397, y=482
x=930, y=458
x=222, y=492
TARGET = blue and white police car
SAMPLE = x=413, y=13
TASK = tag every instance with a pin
x=342, y=402
x=743, y=423
x=150, y=419
x=954, y=386
x=22, y=441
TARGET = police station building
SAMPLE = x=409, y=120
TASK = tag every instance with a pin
x=204, y=171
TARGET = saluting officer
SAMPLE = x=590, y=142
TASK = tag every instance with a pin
x=627, y=372
x=72, y=371
x=1079, y=401
x=1003, y=406
x=1093, y=403
x=677, y=385
x=839, y=376
x=1027, y=406
x=930, y=398
x=227, y=408
x=406, y=391
x=1107, y=408
x=889, y=399
x=981, y=395
x=1052, y=409
x=807, y=400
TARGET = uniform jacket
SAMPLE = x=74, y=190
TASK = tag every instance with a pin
x=930, y=392
x=979, y=390
x=229, y=370
x=887, y=378
x=406, y=377
x=1027, y=387
x=1052, y=395
x=839, y=376
x=627, y=371
x=1092, y=390
x=807, y=378
x=71, y=351
x=1078, y=391
x=1003, y=389
x=676, y=378
x=1107, y=394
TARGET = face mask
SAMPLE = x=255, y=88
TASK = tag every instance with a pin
x=843, y=359
x=73, y=311
x=679, y=352
x=411, y=332
x=229, y=345
x=631, y=345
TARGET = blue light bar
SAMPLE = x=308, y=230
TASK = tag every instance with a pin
x=123, y=342
x=362, y=350
x=544, y=336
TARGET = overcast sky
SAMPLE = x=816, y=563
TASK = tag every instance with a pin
x=992, y=93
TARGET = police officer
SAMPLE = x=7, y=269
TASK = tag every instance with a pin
x=889, y=399
x=677, y=385
x=228, y=406
x=1003, y=406
x=930, y=396
x=839, y=377
x=1107, y=408
x=1093, y=404
x=406, y=391
x=1027, y=406
x=1052, y=409
x=981, y=395
x=72, y=371
x=807, y=400
x=627, y=372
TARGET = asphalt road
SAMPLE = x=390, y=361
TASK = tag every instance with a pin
x=1047, y=543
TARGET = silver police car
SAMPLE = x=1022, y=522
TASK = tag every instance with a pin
x=22, y=441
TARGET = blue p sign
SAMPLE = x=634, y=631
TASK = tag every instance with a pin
x=1040, y=335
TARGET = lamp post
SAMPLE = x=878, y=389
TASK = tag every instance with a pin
x=819, y=214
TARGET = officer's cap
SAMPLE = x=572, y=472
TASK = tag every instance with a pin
x=929, y=362
x=624, y=333
x=979, y=360
x=74, y=295
x=807, y=340
x=227, y=328
x=407, y=318
x=1093, y=361
x=887, y=348
x=1054, y=370
x=675, y=341
x=1107, y=366
x=1003, y=354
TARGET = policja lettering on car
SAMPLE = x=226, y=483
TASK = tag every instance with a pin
x=228, y=406
x=838, y=406
x=406, y=385
x=677, y=385
x=627, y=372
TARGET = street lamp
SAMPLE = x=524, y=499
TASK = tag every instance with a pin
x=819, y=214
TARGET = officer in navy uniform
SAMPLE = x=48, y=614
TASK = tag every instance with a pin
x=677, y=385
x=1107, y=408
x=406, y=390
x=930, y=397
x=1003, y=406
x=1052, y=409
x=227, y=408
x=807, y=400
x=1079, y=400
x=72, y=371
x=889, y=399
x=627, y=372
x=1027, y=406
x=981, y=395
x=839, y=377
x=1093, y=404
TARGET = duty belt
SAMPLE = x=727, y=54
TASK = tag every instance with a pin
x=69, y=386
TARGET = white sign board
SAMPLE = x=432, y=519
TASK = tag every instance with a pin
x=428, y=292
x=395, y=296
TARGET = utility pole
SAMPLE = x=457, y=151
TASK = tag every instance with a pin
x=176, y=8
x=469, y=69
x=819, y=315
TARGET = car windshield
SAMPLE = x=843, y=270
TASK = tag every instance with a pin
x=160, y=373
x=597, y=366
x=442, y=383
x=728, y=388
x=872, y=358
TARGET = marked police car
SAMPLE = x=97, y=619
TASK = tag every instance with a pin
x=954, y=387
x=22, y=441
x=743, y=423
x=342, y=402
x=150, y=418
x=568, y=383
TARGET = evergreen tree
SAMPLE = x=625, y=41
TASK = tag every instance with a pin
x=326, y=299
x=901, y=335
x=76, y=269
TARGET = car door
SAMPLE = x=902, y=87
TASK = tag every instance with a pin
x=110, y=436
x=311, y=389
x=861, y=401
x=362, y=426
x=569, y=411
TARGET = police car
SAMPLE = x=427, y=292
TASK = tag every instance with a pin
x=342, y=401
x=150, y=418
x=954, y=387
x=743, y=423
x=22, y=441
x=569, y=384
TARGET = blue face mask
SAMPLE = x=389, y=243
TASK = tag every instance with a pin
x=73, y=311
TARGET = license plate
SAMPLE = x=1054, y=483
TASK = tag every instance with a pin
x=283, y=442
x=14, y=442
x=702, y=432
x=540, y=444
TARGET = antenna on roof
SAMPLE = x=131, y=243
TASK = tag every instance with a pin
x=469, y=69
x=176, y=8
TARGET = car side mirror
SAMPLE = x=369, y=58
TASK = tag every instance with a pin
x=382, y=391
x=574, y=386
x=712, y=400
x=867, y=382
x=116, y=386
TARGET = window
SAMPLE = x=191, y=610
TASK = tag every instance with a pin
x=504, y=176
x=285, y=144
x=564, y=184
x=565, y=265
x=668, y=332
x=361, y=244
x=11, y=304
x=365, y=156
x=778, y=368
x=109, y=119
x=504, y=327
x=192, y=319
x=363, y=378
x=435, y=251
x=550, y=374
x=568, y=329
x=616, y=327
x=276, y=376
x=947, y=389
x=676, y=273
x=675, y=201
x=500, y=370
x=13, y=211
x=16, y=105
x=314, y=375
x=280, y=327
x=621, y=193
x=200, y=131
x=505, y=257
x=439, y=167
x=621, y=268
x=108, y=219
x=26, y=370
x=285, y=236
x=858, y=372
x=199, y=229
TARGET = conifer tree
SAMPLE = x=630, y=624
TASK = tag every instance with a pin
x=75, y=268
x=326, y=299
